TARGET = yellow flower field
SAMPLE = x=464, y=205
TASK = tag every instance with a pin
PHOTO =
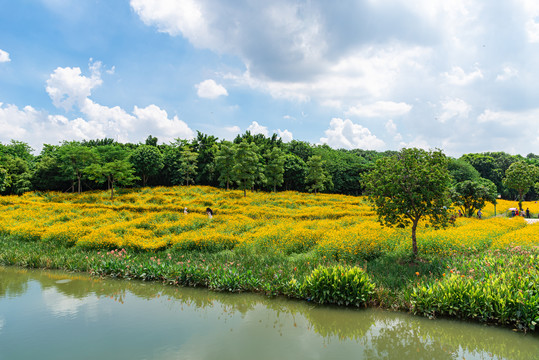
x=332, y=225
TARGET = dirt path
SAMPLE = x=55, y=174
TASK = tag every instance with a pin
x=532, y=221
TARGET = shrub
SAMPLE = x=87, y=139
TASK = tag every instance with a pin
x=339, y=285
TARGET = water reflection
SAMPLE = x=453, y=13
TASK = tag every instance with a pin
x=156, y=321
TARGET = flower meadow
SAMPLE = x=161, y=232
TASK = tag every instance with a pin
x=324, y=248
x=336, y=226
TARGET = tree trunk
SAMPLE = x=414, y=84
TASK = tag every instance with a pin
x=244, y=192
x=414, y=241
x=112, y=190
x=227, y=181
x=274, y=188
x=78, y=178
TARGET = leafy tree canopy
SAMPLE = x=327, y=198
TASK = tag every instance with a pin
x=410, y=186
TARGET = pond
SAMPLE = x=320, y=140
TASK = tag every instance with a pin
x=58, y=315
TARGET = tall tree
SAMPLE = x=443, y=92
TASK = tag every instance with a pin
x=204, y=145
x=147, y=161
x=275, y=167
x=246, y=165
x=472, y=195
x=119, y=172
x=295, y=170
x=317, y=176
x=188, y=165
x=4, y=179
x=224, y=163
x=409, y=186
x=521, y=176
x=73, y=158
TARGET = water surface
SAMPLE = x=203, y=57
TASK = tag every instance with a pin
x=57, y=315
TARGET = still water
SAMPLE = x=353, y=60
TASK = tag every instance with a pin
x=56, y=315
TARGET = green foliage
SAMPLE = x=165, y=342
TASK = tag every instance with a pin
x=521, y=176
x=339, y=285
x=275, y=167
x=461, y=170
x=17, y=175
x=188, y=165
x=4, y=179
x=295, y=170
x=73, y=158
x=119, y=172
x=246, y=165
x=502, y=289
x=224, y=163
x=317, y=176
x=492, y=166
x=345, y=168
x=204, y=146
x=473, y=195
x=147, y=161
x=409, y=186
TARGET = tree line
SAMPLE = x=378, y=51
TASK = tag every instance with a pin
x=249, y=162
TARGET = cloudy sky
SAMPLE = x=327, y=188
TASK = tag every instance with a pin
x=460, y=75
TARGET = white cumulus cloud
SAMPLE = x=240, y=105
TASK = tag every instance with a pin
x=457, y=76
x=508, y=72
x=209, y=89
x=285, y=135
x=380, y=109
x=256, y=128
x=4, y=56
x=348, y=135
x=68, y=87
x=454, y=108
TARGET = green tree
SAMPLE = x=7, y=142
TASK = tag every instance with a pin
x=461, y=170
x=118, y=172
x=188, y=165
x=4, y=179
x=246, y=165
x=18, y=175
x=409, y=186
x=73, y=158
x=224, y=163
x=521, y=176
x=275, y=167
x=147, y=161
x=204, y=145
x=317, y=176
x=294, y=173
x=471, y=195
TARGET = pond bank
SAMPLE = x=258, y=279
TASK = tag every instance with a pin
x=499, y=287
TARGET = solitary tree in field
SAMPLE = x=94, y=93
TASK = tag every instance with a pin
x=410, y=186
x=275, y=167
x=521, y=176
x=317, y=176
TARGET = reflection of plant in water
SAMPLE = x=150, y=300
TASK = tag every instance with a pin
x=398, y=339
x=13, y=285
x=341, y=323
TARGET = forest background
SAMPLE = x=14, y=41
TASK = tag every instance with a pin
x=267, y=164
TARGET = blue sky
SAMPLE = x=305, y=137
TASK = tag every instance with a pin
x=460, y=75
